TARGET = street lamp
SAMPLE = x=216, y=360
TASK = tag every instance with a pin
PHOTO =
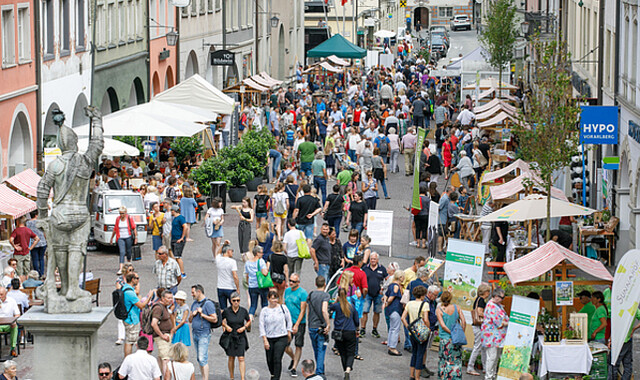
x=275, y=21
x=524, y=27
x=172, y=38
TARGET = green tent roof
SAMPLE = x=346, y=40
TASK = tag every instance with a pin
x=338, y=46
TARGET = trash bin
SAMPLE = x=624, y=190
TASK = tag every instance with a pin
x=219, y=189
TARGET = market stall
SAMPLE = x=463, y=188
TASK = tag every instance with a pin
x=562, y=353
x=25, y=182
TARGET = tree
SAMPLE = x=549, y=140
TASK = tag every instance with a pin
x=547, y=133
x=499, y=35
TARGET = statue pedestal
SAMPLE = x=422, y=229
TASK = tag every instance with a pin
x=65, y=345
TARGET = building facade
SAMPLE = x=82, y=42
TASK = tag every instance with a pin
x=65, y=75
x=162, y=57
x=283, y=45
x=121, y=77
x=18, y=87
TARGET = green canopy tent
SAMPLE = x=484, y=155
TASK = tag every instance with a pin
x=338, y=46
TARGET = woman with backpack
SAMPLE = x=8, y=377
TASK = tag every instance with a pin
x=414, y=311
x=280, y=204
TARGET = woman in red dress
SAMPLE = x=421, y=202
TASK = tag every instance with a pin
x=446, y=156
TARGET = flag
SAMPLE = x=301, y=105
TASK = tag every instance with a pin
x=344, y=2
x=415, y=202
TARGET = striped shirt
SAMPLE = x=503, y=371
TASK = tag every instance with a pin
x=486, y=210
x=167, y=273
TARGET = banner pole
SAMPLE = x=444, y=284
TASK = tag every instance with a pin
x=584, y=179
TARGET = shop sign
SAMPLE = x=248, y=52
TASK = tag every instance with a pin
x=222, y=58
x=599, y=125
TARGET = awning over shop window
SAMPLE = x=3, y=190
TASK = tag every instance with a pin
x=545, y=258
x=13, y=204
x=251, y=83
x=25, y=181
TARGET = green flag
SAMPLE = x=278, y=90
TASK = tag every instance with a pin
x=415, y=203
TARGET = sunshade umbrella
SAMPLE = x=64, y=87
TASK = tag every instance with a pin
x=111, y=147
x=384, y=34
x=155, y=118
x=534, y=207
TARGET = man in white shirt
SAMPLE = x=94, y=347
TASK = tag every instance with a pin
x=140, y=365
x=8, y=309
x=289, y=240
x=466, y=117
x=352, y=91
x=15, y=293
x=228, y=281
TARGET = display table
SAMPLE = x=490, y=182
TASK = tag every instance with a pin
x=585, y=233
x=565, y=358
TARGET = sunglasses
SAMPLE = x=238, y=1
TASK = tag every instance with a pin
x=235, y=300
x=293, y=282
x=104, y=374
x=136, y=278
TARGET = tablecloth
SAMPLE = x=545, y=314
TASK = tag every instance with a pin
x=563, y=358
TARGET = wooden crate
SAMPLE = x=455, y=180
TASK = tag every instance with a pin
x=579, y=322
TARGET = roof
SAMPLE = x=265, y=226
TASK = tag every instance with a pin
x=14, y=204
x=517, y=164
x=25, y=181
x=546, y=257
x=517, y=185
x=338, y=46
x=337, y=61
x=196, y=91
x=494, y=102
x=270, y=80
x=497, y=120
x=511, y=110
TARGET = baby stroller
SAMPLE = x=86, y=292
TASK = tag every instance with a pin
x=345, y=161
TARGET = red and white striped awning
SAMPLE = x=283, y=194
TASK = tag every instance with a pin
x=545, y=258
x=517, y=164
x=516, y=185
x=25, y=181
x=14, y=204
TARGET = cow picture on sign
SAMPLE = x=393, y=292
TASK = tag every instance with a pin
x=222, y=58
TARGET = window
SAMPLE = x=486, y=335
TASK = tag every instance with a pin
x=122, y=23
x=80, y=27
x=111, y=23
x=152, y=16
x=8, y=36
x=48, y=28
x=240, y=12
x=185, y=11
x=229, y=11
x=445, y=12
x=203, y=5
x=64, y=25
x=24, y=33
x=194, y=7
x=162, y=15
x=100, y=25
x=218, y=5
x=210, y=6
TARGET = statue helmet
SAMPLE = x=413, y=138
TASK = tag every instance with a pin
x=67, y=139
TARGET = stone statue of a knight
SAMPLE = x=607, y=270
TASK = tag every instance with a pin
x=67, y=224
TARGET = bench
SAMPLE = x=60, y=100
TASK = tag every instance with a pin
x=93, y=287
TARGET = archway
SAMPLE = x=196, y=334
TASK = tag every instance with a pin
x=109, y=102
x=50, y=130
x=192, y=65
x=79, y=117
x=155, y=84
x=281, y=52
x=136, y=93
x=168, y=79
x=211, y=75
x=20, y=146
x=421, y=17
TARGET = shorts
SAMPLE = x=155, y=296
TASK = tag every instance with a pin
x=24, y=264
x=283, y=215
x=298, y=338
x=177, y=248
x=377, y=304
x=166, y=241
x=261, y=215
x=131, y=333
x=163, y=347
x=156, y=241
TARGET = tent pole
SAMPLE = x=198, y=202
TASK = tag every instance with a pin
x=564, y=308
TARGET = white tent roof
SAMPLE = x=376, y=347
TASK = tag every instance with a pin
x=338, y=61
x=476, y=55
x=111, y=147
x=270, y=80
x=500, y=107
x=155, y=118
x=195, y=91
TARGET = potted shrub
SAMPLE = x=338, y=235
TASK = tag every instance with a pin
x=212, y=169
x=257, y=145
x=238, y=173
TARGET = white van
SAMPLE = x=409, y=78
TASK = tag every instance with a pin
x=105, y=205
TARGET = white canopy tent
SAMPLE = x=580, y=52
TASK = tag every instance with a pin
x=195, y=91
x=111, y=147
x=155, y=118
x=384, y=34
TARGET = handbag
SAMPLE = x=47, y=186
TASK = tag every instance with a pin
x=457, y=333
x=336, y=335
x=406, y=297
x=475, y=317
x=419, y=329
x=303, y=247
x=264, y=281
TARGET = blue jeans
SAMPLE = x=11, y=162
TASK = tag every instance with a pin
x=224, y=296
x=352, y=155
x=254, y=293
x=305, y=167
x=320, y=183
x=323, y=270
x=371, y=202
x=335, y=223
x=417, y=354
x=225, y=138
x=37, y=258
x=384, y=188
x=407, y=339
x=307, y=229
x=357, y=227
x=319, y=344
x=124, y=246
x=277, y=157
x=201, y=344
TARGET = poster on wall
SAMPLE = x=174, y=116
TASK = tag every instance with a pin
x=463, y=272
x=564, y=293
x=519, y=339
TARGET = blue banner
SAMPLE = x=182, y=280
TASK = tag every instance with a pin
x=599, y=125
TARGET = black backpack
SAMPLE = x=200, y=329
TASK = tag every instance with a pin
x=218, y=313
x=384, y=146
x=119, y=308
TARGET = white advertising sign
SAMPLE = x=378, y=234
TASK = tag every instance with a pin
x=380, y=227
x=463, y=272
x=520, y=333
x=624, y=299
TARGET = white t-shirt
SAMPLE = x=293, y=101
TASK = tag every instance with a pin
x=140, y=366
x=137, y=172
x=166, y=227
x=354, y=139
x=226, y=267
x=351, y=92
x=215, y=214
x=183, y=371
x=227, y=123
x=289, y=239
x=124, y=228
x=9, y=308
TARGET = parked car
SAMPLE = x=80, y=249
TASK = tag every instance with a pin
x=438, y=45
x=460, y=22
x=442, y=33
x=105, y=210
